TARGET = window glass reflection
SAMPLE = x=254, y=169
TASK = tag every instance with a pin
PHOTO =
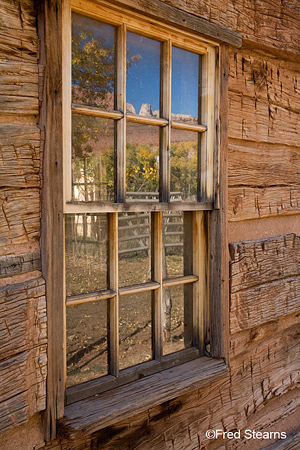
x=143, y=75
x=92, y=158
x=185, y=86
x=183, y=165
x=92, y=62
x=142, y=162
x=86, y=342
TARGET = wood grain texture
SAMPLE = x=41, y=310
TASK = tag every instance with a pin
x=23, y=358
x=259, y=76
x=50, y=35
x=23, y=392
x=17, y=264
x=260, y=166
x=273, y=24
x=18, y=88
x=18, y=37
x=22, y=317
x=19, y=156
x=255, y=203
x=19, y=216
x=260, y=121
x=178, y=16
x=265, y=281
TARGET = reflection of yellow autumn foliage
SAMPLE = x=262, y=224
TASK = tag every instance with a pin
x=141, y=168
x=184, y=168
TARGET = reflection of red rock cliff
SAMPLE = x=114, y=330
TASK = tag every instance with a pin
x=86, y=97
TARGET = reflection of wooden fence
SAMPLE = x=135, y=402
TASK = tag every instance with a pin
x=134, y=232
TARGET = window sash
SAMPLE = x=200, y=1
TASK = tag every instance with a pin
x=196, y=302
x=207, y=196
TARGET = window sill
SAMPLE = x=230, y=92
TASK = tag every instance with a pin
x=94, y=413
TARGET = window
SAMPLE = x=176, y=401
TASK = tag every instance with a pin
x=138, y=185
x=135, y=114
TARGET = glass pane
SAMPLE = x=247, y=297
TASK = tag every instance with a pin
x=86, y=342
x=143, y=75
x=135, y=329
x=92, y=62
x=175, y=314
x=92, y=158
x=85, y=253
x=183, y=162
x=185, y=86
x=142, y=162
x=134, y=248
x=172, y=244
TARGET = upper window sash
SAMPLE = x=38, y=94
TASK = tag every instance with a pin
x=207, y=173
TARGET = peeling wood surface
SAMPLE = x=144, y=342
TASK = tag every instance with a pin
x=23, y=358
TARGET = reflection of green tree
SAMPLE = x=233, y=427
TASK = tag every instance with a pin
x=92, y=62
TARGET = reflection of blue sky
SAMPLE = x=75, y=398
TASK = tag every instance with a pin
x=143, y=76
x=185, y=76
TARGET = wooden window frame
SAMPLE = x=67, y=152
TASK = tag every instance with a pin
x=53, y=68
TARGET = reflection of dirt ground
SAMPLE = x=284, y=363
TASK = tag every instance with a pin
x=87, y=323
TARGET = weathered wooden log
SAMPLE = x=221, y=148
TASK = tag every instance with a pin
x=262, y=78
x=257, y=262
x=261, y=166
x=260, y=121
x=23, y=390
x=22, y=317
x=18, y=264
x=273, y=23
x=19, y=216
x=253, y=203
x=18, y=36
x=19, y=156
x=23, y=357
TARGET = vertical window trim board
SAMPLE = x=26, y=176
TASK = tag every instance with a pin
x=49, y=19
x=51, y=14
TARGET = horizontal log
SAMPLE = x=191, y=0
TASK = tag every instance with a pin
x=23, y=390
x=18, y=36
x=18, y=264
x=254, y=203
x=264, y=303
x=263, y=167
x=19, y=156
x=259, y=121
x=19, y=216
x=291, y=443
x=257, y=262
x=260, y=77
x=22, y=317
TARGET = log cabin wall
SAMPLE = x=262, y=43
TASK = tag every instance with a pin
x=261, y=391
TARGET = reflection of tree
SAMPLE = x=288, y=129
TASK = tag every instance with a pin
x=184, y=168
x=90, y=174
x=92, y=62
